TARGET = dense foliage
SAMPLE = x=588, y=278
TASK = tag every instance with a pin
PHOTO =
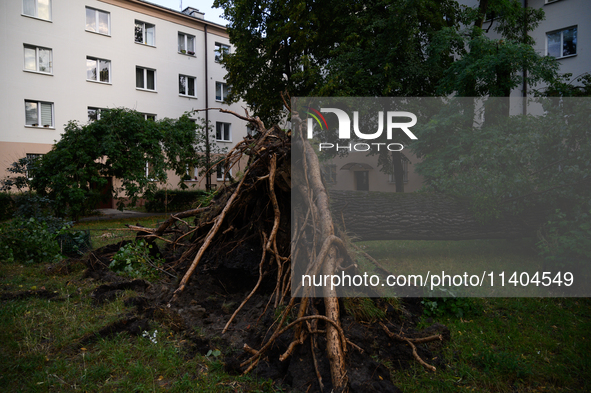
x=123, y=145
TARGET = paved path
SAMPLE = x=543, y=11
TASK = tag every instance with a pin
x=114, y=214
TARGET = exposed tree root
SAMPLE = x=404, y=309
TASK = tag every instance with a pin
x=256, y=210
x=410, y=342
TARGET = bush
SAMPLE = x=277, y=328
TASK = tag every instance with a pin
x=134, y=260
x=7, y=206
x=29, y=241
x=178, y=200
x=566, y=240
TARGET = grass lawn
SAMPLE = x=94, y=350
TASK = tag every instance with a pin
x=497, y=344
x=37, y=336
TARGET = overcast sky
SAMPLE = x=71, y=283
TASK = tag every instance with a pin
x=211, y=14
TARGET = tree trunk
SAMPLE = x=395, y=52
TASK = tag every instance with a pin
x=415, y=216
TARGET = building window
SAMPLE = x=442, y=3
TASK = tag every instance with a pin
x=392, y=178
x=38, y=59
x=222, y=132
x=37, y=8
x=145, y=33
x=221, y=91
x=562, y=43
x=221, y=173
x=31, y=159
x=187, y=44
x=145, y=78
x=192, y=173
x=187, y=85
x=220, y=50
x=95, y=113
x=150, y=171
x=98, y=70
x=251, y=131
x=149, y=116
x=38, y=114
x=330, y=173
x=98, y=21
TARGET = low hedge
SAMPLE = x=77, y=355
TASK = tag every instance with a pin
x=178, y=200
x=7, y=206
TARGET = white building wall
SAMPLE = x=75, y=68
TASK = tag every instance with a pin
x=67, y=87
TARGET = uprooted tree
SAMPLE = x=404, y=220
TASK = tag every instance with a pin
x=257, y=210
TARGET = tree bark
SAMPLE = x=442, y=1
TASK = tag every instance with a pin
x=415, y=216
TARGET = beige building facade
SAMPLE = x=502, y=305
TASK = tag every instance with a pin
x=69, y=59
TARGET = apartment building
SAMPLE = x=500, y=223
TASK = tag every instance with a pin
x=67, y=60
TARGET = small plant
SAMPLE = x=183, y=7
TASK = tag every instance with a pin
x=456, y=306
x=151, y=337
x=29, y=241
x=134, y=260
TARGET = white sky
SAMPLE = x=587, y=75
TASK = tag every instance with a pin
x=211, y=14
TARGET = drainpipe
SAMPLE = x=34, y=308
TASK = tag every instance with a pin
x=207, y=149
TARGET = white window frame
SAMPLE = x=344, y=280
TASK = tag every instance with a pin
x=220, y=50
x=221, y=175
x=97, y=13
x=149, y=116
x=40, y=114
x=225, y=132
x=145, y=80
x=224, y=89
x=561, y=31
x=98, y=63
x=97, y=110
x=187, y=78
x=193, y=176
x=37, y=65
x=36, y=11
x=30, y=157
x=185, y=38
x=144, y=27
x=148, y=172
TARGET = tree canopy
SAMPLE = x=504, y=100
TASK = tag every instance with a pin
x=122, y=144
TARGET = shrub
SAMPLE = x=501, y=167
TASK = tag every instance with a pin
x=134, y=260
x=175, y=200
x=29, y=241
x=566, y=240
x=7, y=206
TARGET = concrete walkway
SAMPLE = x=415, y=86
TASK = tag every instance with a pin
x=114, y=214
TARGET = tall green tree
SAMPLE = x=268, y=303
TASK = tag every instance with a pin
x=122, y=144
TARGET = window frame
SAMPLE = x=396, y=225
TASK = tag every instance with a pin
x=330, y=173
x=98, y=112
x=225, y=132
x=392, y=178
x=188, y=77
x=98, y=62
x=39, y=114
x=97, y=13
x=224, y=89
x=221, y=175
x=145, y=80
x=186, y=39
x=561, y=31
x=37, y=48
x=219, y=51
x=31, y=157
x=144, y=33
x=36, y=13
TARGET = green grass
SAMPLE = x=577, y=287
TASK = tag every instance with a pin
x=38, y=351
x=497, y=344
x=106, y=232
